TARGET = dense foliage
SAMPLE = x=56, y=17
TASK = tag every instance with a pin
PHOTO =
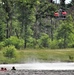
x=10, y=52
x=31, y=24
x=9, y=55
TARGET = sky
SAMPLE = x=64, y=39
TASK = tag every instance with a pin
x=66, y=1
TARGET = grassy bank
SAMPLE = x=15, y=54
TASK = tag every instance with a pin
x=41, y=55
x=46, y=55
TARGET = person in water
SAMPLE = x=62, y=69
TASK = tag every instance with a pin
x=3, y=69
x=13, y=68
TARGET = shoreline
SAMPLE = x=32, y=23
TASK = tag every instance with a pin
x=37, y=72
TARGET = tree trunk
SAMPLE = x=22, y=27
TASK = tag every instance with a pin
x=62, y=4
x=51, y=29
x=25, y=38
x=7, y=29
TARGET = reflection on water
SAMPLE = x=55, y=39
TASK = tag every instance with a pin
x=41, y=66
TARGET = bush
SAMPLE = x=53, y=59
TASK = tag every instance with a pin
x=18, y=43
x=60, y=43
x=10, y=52
x=1, y=45
x=31, y=42
x=71, y=41
x=44, y=41
x=54, y=44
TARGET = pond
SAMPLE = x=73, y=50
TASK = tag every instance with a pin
x=41, y=66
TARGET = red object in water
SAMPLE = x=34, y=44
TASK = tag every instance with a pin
x=56, y=14
x=64, y=13
x=3, y=69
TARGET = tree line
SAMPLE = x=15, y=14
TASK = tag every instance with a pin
x=31, y=24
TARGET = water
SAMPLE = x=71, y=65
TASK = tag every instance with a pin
x=40, y=66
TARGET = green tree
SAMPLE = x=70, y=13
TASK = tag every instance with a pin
x=8, y=6
x=26, y=17
x=44, y=12
x=62, y=4
x=2, y=25
x=44, y=41
x=64, y=31
x=72, y=1
x=51, y=1
x=2, y=34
